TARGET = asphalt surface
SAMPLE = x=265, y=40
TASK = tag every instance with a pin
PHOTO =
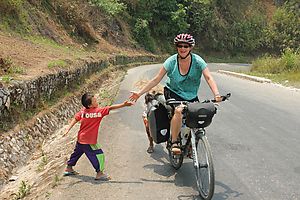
x=254, y=138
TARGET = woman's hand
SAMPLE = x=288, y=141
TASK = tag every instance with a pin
x=218, y=98
x=134, y=96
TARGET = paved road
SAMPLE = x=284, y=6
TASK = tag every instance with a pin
x=255, y=140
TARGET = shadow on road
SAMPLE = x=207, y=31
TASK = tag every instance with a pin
x=89, y=179
x=227, y=192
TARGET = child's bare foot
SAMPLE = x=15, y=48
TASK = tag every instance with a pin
x=150, y=149
x=102, y=177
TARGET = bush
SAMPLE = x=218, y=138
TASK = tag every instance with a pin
x=112, y=7
x=8, y=7
x=283, y=31
x=142, y=34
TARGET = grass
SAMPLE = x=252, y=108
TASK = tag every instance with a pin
x=16, y=70
x=285, y=78
x=24, y=190
x=43, y=163
x=284, y=69
x=46, y=42
x=57, y=64
x=6, y=78
x=56, y=180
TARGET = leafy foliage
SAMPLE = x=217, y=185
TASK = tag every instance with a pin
x=143, y=35
x=10, y=6
x=283, y=31
x=112, y=7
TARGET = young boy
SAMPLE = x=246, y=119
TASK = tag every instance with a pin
x=90, y=117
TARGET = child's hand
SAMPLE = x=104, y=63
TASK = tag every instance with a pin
x=128, y=103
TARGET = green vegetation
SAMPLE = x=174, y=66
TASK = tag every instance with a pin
x=283, y=29
x=6, y=78
x=7, y=67
x=57, y=64
x=232, y=27
x=284, y=69
x=13, y=16
x=112, y=7
x=43, y=163
x=24, y=190
x=233, y=30
x=56, y=180
x=16, y=70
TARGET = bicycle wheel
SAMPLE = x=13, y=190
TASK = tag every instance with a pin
x=175, y=160
x=205, y=175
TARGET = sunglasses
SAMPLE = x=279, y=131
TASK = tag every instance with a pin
x=183, y=46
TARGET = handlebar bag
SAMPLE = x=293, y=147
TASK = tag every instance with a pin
x=159, y=122
x=199, y=115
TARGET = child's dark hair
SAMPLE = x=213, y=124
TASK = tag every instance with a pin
x=86, y=99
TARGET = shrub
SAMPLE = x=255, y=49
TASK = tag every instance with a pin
x=9, y=7
x=283, y=31
x=142, y=34
x=112, y=7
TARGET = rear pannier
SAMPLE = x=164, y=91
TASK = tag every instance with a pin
x=159, y=122
x=199, y=115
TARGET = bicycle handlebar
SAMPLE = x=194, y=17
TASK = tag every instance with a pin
x=173, y=102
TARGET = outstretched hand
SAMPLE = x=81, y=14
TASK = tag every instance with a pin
x=134, y=96
x=128, y=103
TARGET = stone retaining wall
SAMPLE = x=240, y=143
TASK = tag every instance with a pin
x=17, y=145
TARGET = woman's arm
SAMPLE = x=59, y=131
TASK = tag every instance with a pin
x=212, y=84
x=153, y=82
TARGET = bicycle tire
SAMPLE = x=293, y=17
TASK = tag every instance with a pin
x=205, y=175
x=175, y=160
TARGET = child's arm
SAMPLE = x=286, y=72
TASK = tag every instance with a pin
x=72, y=123
x=121, y=105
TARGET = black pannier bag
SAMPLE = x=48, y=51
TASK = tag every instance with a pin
x=159, y=121
x=199, y=115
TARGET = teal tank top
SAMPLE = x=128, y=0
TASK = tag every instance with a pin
x=186, y=86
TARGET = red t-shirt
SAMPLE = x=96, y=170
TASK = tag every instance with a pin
x=90, y=121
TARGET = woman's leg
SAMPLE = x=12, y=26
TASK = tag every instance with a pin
x=176, y=123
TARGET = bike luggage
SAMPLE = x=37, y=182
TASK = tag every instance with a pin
x=199, y=115
x=159, y=122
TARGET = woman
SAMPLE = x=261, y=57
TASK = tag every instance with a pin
x=184, y=70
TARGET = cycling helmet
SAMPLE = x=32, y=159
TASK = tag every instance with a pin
x=184, y=38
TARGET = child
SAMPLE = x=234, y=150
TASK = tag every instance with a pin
x=149, y=97
x=90, y=117
x=145, y=120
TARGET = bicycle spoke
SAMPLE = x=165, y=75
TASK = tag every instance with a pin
x=204, y=171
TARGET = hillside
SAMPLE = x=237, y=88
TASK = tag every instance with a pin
x=58, y=34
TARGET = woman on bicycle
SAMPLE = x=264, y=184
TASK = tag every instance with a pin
x=184, y=70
